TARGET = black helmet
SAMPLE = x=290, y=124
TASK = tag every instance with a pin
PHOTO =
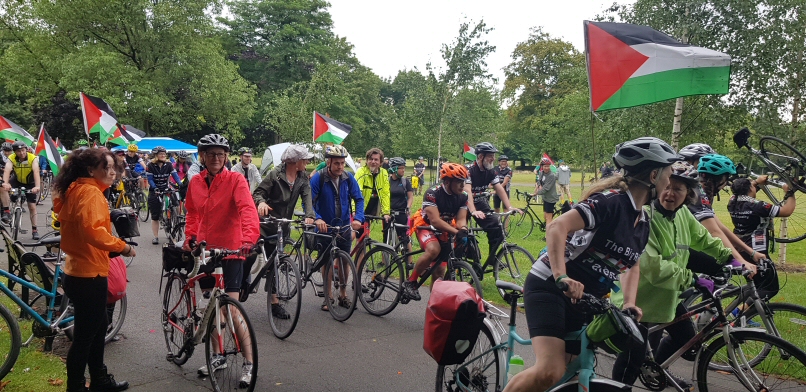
x=244, y=150
x=19, y=145
x=485, y=148
x=397, y=162
x=503, y=158
x=7, y=146
x=213, y=140
x=158, y=150
x=686, y=172
x=696, y=151
x=644, y=153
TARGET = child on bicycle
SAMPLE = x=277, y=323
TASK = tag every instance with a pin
x=441, y=205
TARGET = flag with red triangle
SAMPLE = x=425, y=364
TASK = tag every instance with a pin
x=122, y=137
x=13, y=132
x=98, y=117
x=546, y=156
x=468, y=152
x=46, y=149
x=94, y=144
x=59, y=146
x=631, y=65
x=328, y=130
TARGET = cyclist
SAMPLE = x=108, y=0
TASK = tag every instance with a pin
x=504, y=174
x=480, y=177
x=374, y=182
x=589, y=248
x=4, y=198
x=7, y=150
x=82, y=144
x=182, y=166
x=442, y=204
x=158, y=171
x=665, y=275
x=547, y=188
x=25, y=167
x=277, y=196
x=218, y=198
x=247, y=169
x=419, y=172
x=196, y=168
x=333, y=191
x=401, y=197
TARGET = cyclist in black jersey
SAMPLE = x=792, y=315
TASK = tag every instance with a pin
x=158, y=171
x=590, y=247
x=752, y=217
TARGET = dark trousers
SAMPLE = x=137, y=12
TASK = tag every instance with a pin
x=495, y=235
x=88, y=296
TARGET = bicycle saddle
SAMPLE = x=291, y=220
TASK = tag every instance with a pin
x=47, y=241
x=508, y=286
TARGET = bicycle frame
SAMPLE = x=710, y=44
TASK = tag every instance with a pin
x=50, y=295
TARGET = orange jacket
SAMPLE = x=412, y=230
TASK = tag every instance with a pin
x=86, y=229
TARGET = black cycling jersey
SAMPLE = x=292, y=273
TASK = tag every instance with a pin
x=502, y=174
x=479, y=181
x=160, y=174
x=419, y=169
x=701, y=209
x=751, y=218
x=610, y=243
x=398, y=193
x=447, y=204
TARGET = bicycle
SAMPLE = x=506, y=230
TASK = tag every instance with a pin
x=224, y=318
x=17, y=196
x=383, y=272
x=46, y=177
x=523, y=225
x=513, y=262
x=487, y=366
x=400, y=244
x=171, y=219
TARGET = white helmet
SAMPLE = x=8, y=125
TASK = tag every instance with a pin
x=644, y=153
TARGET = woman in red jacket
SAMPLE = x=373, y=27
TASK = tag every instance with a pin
x=220, y=211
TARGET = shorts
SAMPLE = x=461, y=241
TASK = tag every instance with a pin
x=548, y=311
x=497, y=200
x=154, y=205
x=427, y=236
x=564, y=188
x=233, y=276
x=31, y=198
x=548, y=207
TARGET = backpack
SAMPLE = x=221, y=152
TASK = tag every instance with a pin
x=117, y=280
x=453, y=321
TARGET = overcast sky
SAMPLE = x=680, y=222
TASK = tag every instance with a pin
x=392, y=35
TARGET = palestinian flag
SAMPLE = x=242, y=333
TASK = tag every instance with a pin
x=328, y=130
x=469, y=153
x=59, y=145
x=13, y=132
x=46, y=149
x=630, y=65
x=123, y=137
x=98, y=117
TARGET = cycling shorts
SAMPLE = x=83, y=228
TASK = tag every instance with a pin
x=548, y=311
x=31, y=198
x=233, y=276
x=497, y=200
x=548, y=207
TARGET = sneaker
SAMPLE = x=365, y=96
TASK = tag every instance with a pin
x=6, y=217
x=685, y=385
x=35, y=234
x=246, y=375
x=279, y=311
x=410, y=290
x=219, y=362
x=155, y=241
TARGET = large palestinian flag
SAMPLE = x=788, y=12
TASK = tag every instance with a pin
x=13, y=132
x=98, y=117
x=468, y=152
x=122, y=137
x=328, y=130
x=630, y=65
x=46, y=149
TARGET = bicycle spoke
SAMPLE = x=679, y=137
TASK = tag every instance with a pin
x=231, y=336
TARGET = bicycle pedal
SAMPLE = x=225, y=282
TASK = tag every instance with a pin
x=404, y=300
x=169, y=357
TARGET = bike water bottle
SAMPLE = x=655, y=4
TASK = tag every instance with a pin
x=515, y=366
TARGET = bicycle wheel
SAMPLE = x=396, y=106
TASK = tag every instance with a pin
x=789, y=164
x=10, y=341
x=514, y=264
x=596, y=385
x=143, y=203
x=482, y=375
x=789, y=320
x=286, y=285
x=341, y=288
x=16, y=223
x=520, y=226
x=44, y=191
x=178, y=323
x=230, y=334
x=116, y=314
x=795, y=223
x=772, y=372
x=382, y=277
x=462, y=272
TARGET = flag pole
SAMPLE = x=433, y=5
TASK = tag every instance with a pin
x=593, y=148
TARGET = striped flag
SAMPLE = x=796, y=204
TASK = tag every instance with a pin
x=98, y=117
x=468, y=152
x=46, y=149
x=328, y=130
x=122, y=137
x=13, y=132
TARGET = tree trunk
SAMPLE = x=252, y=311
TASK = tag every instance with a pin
x=678, y=117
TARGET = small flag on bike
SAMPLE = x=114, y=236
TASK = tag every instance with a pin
x=98, y=117
x=13, y=132
x=468, y=152
x=328, y=130
x=46, y=149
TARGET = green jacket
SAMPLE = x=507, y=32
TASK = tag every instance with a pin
x=663, y=264
x=381, y=182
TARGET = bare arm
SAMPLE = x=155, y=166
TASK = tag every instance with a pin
x=556, y=233
x=433, y=217
x=629, y=283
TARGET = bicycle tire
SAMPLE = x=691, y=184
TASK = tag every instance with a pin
x=228, y=378
x=512, y=268
x=462, y=272
x=178, y=309
x=596, y=385
x=9, y=332
x=521, y=226
x=789, y=320
x=479, y=375
x=341, y=308
x=795, y=223
x=382, y=275
x=746, y=340
x=15, y=231
x=142, y=212
x=118, y=317
x=790, y=164
x=287, y=285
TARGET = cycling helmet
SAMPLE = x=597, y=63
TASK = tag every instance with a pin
x=182, y=154
x=82, y=142
x=696, y=151
x=335, y=151
x=485, y=148
x=644, y=153
x=685, y=172
x=158, y=150
x=396, y=162
x=132, y=148
x=503, y=158
x=453, y=170
x=716, y=164
x=7, y=146
x=18, y=145
x=545, y=161
x=421, y=158
x=213, y=140
x=244, y=150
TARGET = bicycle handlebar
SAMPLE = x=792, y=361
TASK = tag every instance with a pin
x=202, y=256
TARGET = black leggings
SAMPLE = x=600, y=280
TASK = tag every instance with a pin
x=628, y=364
x=495, y=235
x=88, y=296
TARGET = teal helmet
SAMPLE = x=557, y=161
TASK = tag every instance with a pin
x=716, y=165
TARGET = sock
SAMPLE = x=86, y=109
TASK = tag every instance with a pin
x=33, y=228
x=414, y=276
x=6, y=209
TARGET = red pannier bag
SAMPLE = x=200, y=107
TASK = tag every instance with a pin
x=453, y=321
x=117, y=280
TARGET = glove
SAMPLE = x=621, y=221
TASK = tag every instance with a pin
x=705, y=283
x=735, y=263
x=461, y=237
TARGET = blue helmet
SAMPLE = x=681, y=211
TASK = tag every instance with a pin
x=716, y=164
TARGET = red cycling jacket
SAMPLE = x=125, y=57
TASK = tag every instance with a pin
x=222, y=214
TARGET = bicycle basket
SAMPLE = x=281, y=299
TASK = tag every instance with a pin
x=125, y=222
x=174, y=258
x=614, y=332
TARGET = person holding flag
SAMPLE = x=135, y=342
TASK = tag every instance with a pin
x=26, y=169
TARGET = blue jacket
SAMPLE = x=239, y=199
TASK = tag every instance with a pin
x=325, y=204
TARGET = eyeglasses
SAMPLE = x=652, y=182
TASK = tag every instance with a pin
x=220, y=155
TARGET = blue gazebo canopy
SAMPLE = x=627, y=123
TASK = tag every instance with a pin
x=172, y=145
